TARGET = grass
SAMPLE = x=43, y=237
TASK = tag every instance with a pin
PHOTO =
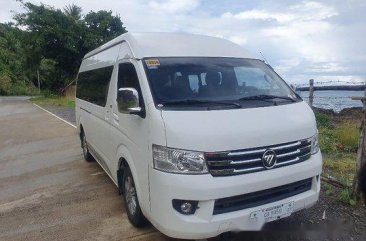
x=341, y=167
x=338, y=140
x=348, y=136
x=54, y=100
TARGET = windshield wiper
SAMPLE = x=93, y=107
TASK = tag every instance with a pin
x=194, y=102
x=267, y=97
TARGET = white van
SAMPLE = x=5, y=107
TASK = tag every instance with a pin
x=199, y=136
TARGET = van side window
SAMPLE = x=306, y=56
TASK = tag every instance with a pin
x=92, y=86
x=127, y=78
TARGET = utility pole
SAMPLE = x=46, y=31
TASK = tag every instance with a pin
x=311, y=92
x=39, y=82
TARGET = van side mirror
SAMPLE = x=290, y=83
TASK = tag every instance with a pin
x=128, y=101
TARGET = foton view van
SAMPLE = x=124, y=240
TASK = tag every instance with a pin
x=199, y=136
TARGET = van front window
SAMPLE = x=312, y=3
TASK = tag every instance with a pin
x=202, y=82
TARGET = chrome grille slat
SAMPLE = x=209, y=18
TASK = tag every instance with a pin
x=231, y=162
x=287, y=162
x=264, y=149
x=289, y=153
x=250, y=160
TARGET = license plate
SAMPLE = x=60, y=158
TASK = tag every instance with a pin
x=273, y=213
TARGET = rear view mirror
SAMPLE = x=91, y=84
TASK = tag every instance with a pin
x=128, y=101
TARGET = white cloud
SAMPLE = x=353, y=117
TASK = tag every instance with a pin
x=305, y=11
x=309, y=39
x=259, y=15
x=174, y=5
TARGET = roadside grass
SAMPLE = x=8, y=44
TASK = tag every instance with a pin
x=341, y=167
x=338, y=143
x=54, y=100
x=337, y=138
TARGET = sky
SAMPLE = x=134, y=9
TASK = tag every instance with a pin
x=322, y=40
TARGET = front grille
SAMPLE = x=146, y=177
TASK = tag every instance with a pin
x=250, y=160
x=254, y=199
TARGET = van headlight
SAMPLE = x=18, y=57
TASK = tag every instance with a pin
x=178, y=161
x=315, y=143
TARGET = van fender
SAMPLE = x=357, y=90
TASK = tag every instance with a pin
x=123, y=153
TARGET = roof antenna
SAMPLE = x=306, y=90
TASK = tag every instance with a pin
x=264, y=59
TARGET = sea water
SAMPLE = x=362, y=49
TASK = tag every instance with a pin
x=333, y=99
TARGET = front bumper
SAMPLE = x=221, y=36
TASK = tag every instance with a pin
x=165, y=187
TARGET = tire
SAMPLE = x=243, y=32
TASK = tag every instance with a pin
x=84, y=145
x=131, y=201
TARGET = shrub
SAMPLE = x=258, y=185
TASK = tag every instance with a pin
x=5, y=84
x=327, y=140
x=323, y=121
x=345, y=196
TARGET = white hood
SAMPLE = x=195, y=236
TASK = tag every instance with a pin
x=234, y=129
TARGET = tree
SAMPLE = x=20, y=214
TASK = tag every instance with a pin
x=73, y=11
x=13, y=74
x=52, y=35
x=102, y=26
x=63, y=38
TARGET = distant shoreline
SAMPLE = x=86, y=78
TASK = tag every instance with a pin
x=334, y=87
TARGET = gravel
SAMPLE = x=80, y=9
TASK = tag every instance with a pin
x=66, y=113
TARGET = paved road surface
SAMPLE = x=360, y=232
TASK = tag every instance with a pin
x=48, y=192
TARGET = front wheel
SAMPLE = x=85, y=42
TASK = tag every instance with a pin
x=132, y=206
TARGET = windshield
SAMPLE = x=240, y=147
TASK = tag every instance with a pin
x=227, y=82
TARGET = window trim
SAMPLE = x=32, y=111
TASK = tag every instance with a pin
x=142, y=114
x=156, y=104
x=107, y=86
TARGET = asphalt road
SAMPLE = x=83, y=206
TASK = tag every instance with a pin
x=48, y=192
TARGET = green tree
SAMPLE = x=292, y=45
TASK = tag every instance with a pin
x=102, y=26
x=73, y=11
x=54, y=34
x=13, y=75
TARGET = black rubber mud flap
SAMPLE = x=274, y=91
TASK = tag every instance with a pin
x=120, y=181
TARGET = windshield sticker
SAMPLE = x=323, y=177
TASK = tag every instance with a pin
x=152, y=63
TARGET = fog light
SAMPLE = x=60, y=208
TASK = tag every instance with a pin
x=185, y=207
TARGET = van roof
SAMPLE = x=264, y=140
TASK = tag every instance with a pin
x=174, y=45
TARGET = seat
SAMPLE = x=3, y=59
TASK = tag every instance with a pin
x=212, y=86
x=181, y=89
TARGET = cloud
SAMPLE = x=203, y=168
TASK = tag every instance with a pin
x=309, y=39
x=174, y=5
x=305, y=11
x=259, y=15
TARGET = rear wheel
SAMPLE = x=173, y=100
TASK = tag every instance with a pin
x=132, y=206
x=84, y=145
